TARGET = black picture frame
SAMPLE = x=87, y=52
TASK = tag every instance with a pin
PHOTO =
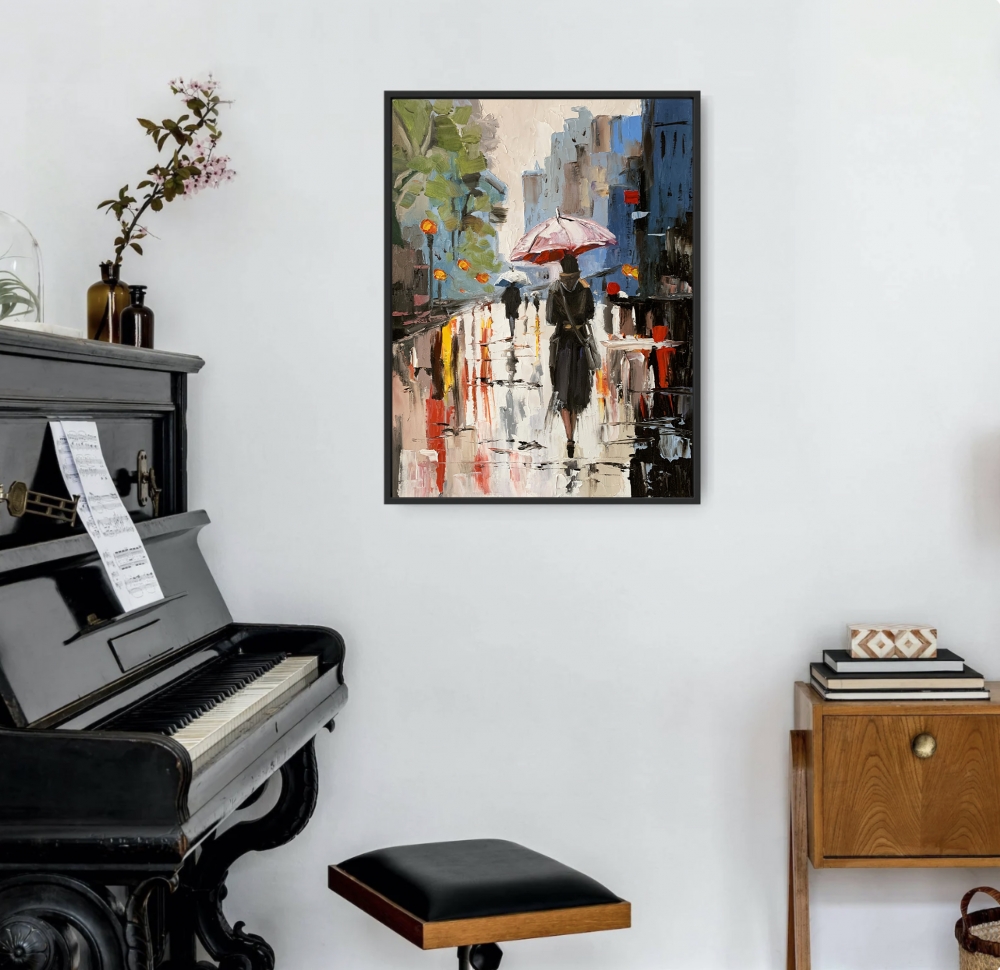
x=694, y=498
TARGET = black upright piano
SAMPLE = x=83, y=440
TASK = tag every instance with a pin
x=126, y=739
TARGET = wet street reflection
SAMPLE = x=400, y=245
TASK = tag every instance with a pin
x=471, y=414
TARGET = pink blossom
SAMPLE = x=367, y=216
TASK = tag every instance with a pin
x=194, y=88
x=213, y=169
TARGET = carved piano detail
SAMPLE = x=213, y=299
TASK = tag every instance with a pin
x=125, y=739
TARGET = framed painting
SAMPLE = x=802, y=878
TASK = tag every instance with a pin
x=542, y=297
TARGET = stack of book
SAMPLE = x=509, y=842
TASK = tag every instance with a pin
x=943, y=677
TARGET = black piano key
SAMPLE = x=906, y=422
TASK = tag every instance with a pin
x=177, y=706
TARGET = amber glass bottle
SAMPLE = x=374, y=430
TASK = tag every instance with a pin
x=137, y=320
x=105, y=302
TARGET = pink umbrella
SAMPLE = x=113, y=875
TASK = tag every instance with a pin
x=549, y=241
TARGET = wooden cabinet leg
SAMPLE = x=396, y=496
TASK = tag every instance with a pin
x=798, y=859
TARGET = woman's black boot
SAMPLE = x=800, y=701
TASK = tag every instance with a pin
x=570, y=447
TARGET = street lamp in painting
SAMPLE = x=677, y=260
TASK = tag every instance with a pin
x=429, y=228
x=440, y=275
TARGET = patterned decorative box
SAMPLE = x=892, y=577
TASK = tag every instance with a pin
x=886, y=640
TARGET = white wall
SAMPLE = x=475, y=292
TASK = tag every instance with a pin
x=609, y=685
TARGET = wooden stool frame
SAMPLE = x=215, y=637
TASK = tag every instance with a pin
x=435, y=934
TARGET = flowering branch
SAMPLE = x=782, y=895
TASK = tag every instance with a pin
x=194, y=165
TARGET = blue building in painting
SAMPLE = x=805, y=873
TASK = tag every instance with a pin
x=592, y=163
x=633, y=174
x=666, y=235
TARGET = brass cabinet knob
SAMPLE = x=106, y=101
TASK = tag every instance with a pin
x=924, y=745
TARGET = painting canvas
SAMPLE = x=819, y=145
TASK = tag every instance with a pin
x=542, y=297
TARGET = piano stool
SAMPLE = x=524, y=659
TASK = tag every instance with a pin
x=474, y=893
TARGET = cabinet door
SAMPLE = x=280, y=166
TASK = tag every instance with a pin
x=880, y=800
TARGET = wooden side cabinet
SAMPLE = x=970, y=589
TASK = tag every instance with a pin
x=883, y=783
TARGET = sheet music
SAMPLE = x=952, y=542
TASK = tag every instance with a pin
x=81, y=461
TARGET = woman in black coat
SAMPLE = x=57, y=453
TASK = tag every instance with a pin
x=569, y=308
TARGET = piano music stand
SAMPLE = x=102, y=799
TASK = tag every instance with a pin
x=474, y=893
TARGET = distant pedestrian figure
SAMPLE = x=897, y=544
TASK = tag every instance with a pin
x=535, y=301
x=569, y=307
x=511, y=300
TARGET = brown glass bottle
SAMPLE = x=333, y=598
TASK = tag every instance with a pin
x=105, y=302
x=137, y=320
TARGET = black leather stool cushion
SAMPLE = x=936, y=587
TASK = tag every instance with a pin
x=476, y=877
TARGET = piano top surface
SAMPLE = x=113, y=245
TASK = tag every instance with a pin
x=17, y=341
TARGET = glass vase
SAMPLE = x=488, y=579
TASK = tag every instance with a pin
x=137, y=320
x=105, y=301
x=21, y=284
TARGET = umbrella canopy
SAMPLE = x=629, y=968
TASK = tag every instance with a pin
x=549, y=241
x=514, y=276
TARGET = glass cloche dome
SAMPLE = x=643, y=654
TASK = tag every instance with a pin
x=21, y=297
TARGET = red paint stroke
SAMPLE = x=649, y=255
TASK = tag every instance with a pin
x=662, y=357
x=481, y=469
x=436, y=424
x=464, y=388
x=631, y=197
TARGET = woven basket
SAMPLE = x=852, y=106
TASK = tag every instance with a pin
x=978, y=934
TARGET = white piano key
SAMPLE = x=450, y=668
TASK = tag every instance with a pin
x=216, y=725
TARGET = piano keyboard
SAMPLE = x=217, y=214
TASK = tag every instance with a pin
x=218, y=723
x=204, y=710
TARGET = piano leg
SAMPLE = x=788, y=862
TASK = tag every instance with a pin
x=203, y=885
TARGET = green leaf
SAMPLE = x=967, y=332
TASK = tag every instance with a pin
x=407, y=200
x=156, y=205
x=446, y=134
x=462, y=114
x=136, y=247
x=440, y=159
x=147, y=124
x=414, y=117
x=442, y=106
x=468, y=166
x=440, y=189
x=472, y=135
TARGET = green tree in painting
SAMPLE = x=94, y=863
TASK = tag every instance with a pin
x=438, y=162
